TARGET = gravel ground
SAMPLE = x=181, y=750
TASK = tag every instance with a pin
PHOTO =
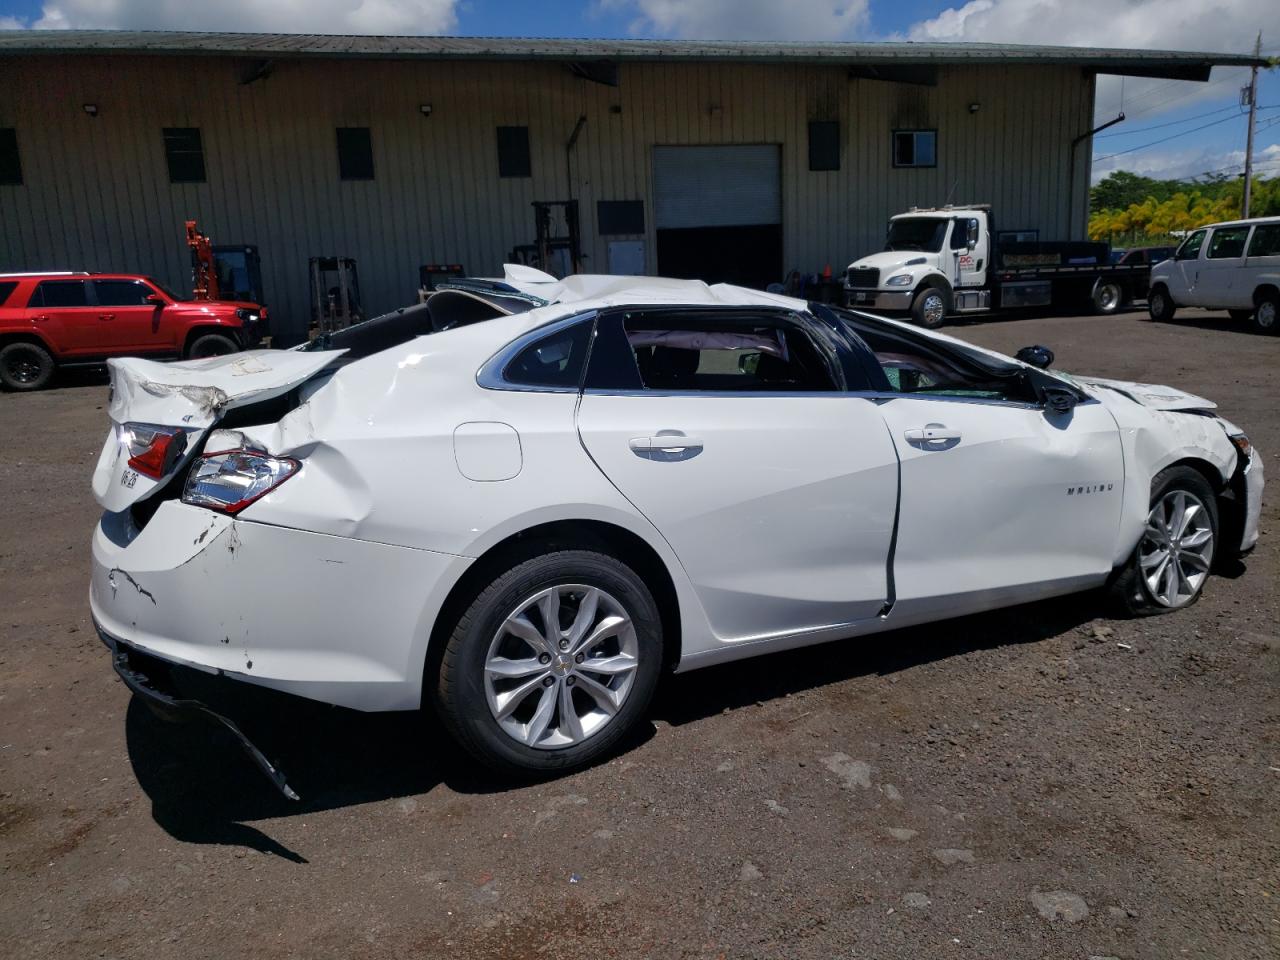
x=1038, y=782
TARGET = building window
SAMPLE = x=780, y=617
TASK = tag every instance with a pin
x=355, y=153
x=10, y=162
x=824, y=145
x=620, y=216
x=184, y=153
x=513, y=152
x=915, y=148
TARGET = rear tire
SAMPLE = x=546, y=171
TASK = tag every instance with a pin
x=1266, y=316
x=526, y=696
x=1170, y=565
x=211, y=345
x=1108, y=297
x=929, y=309
x=25, y=366
x=1160, y=305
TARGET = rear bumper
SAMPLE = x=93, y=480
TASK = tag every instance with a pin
x=878, y=299
x=148, y=677
x=337, y=620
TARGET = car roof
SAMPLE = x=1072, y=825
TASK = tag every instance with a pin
x=69, y=274
x=1239, y=223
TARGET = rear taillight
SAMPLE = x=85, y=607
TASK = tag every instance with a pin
x=153, y=450
x=231, y=480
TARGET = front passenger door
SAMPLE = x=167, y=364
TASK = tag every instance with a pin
x=775, y=488
x=127, y=318
x=1186, y=274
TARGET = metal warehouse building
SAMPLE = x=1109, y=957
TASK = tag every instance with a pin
x=735, y=161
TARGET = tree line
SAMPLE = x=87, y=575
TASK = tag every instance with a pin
x=1129, y=210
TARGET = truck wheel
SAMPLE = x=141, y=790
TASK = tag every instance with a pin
x=1265, y=319
x=1160, y=305
x=929, y=309
x=25, y=366
x=1108, y=297
x=211, y=345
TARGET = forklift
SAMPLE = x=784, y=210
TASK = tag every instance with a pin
x=557, y=253
x=335, y=294
x=228, y=272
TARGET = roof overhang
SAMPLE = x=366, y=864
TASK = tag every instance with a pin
x=899, y=62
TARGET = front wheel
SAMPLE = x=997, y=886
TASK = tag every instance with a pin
x=1160, y=305
x=552, y=663
x=929, y=309
x=211, y=345
x=1265, y=319
x=1171, y=563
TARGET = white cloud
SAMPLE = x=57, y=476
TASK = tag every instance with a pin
x=1192, y=162
x=744, y=19
x=10, y=23
x=269, y=16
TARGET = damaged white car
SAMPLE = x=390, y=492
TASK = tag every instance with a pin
x=523, y=501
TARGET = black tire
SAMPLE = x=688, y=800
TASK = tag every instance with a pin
x=1160, y=306
x=211, y=345
x=459, y=689
x=929, y=308
x=1108, y=297
x=25, y=366
x=1240, y=316
x=1129, y=591
x=1266, y=316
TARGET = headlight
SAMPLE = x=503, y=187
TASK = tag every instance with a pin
x=899, y=280
x=246, y=316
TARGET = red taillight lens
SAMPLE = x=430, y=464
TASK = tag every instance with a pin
x=153, y=450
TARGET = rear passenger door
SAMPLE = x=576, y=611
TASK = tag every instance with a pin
x=733, y=433
x=126, y=320
x=63, y=312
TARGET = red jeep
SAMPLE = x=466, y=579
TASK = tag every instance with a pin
x=47, y=319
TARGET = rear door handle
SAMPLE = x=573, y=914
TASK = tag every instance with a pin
x=106, y=316
x=933, y=433
x=40, y=319
x=664, y=443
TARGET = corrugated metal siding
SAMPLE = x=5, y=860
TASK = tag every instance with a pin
x=716, y=186
x=97, y=193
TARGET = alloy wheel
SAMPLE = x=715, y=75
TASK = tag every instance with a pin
x=1176, y=549
x=24, y=368
x=934, y=309
x=1108, y=297
x=561, y=666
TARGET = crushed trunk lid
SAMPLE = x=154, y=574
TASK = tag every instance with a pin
x=191, y=395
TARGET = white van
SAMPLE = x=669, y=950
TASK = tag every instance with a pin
x=1225, y=266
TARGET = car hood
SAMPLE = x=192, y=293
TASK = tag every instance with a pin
x=888, y=259
x=1155, y=396
x=192, y=395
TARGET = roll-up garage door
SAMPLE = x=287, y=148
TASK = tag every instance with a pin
x=717, y=186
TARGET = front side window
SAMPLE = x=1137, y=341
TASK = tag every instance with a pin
x=122, y=293
x=1227, y=243
x=184, y=154
x=1266, y=240
x=1190, y=248
x=60, y=293
x=917, y=233
x=719, y=355
x=915, y=148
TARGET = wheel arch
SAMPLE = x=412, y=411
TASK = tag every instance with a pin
x=1264, y=291
x=565, y=534
x=220, y=327
x=28, y=336
x=939, y=282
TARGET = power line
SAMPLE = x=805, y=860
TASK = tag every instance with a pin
x=1174, y=136
x=1171, y=123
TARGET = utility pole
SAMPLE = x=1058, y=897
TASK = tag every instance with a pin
x=1253, y=112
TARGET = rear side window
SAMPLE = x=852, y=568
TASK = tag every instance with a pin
x=554, y=361
x=1227, y=243
x=1266, y=240
x=60, y=293
x=718, y=356
x=6, y=287
x=122, y=293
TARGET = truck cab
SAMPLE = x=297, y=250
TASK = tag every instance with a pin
x=934, y=262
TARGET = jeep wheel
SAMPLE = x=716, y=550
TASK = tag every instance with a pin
x=211, y=345
x=25, y=366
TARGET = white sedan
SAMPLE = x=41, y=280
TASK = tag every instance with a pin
x=525, y=500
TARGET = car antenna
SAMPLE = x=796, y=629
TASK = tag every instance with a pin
x=951, y=193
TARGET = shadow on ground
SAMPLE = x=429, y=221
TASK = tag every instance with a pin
x=203, y=788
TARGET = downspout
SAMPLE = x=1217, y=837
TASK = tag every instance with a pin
x=568, y=155
x=1071, y=176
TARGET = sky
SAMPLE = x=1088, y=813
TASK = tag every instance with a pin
x=1172, y=128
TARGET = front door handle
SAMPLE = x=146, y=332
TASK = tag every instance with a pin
x=934, y=433
x=40, y=319
x=106, y=316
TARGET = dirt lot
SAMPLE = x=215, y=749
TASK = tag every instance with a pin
x=1040, y=782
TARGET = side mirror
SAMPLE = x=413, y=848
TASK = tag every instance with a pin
x=1059, y=399
x=155, y=300
x=972, y=236
x=1037, y=356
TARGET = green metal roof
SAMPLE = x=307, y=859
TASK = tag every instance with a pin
x=1174, y=64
